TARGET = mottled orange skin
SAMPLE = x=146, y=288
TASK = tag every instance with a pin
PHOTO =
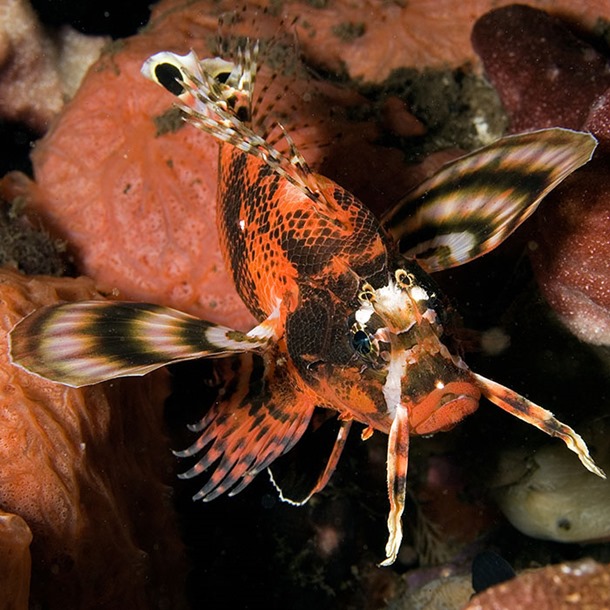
x=274, y=238
x=357, y=327
x=299, y=263
x=308, y=260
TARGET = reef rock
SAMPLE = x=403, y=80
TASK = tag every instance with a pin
x=15, y=569
x=84, y=469
x=39, y=71
x=547, y=496
x=566, y=87
x=579, y=584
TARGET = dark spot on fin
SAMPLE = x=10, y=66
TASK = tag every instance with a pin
x=222, y=77
x=169, y=77
x=243, y=114
x=489, y=569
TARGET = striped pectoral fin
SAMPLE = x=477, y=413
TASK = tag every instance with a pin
x=531, y=413
x=80, y=344
x=474, y=203
x=260, y=415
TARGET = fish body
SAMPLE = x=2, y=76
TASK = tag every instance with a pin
x=349, y=318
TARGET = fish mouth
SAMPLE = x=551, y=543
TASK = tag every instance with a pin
x=435, y=386
x=445, y=406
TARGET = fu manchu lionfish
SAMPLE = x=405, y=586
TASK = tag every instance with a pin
x=349, y=317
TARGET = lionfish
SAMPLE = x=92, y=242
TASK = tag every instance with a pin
x=349, y=317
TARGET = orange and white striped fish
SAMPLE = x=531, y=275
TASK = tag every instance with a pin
x=349, y=318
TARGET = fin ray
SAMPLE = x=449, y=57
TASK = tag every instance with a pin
x=216, y=108
x=324, y=476
x=224, y=109
x=544, y=420
x=398, y=461
x=259, y=416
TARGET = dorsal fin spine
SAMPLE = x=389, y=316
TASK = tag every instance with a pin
x=224, y=109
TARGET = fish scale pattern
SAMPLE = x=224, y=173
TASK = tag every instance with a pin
x=275, y=237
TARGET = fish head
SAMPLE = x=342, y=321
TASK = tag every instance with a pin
x=382, y=349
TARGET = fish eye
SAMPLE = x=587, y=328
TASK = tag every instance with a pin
x=370, y=348
x=361, y=343
x=169, y=77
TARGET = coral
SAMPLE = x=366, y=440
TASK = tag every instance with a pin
x=76, y=53
x=22, y=246
x=542, y=494
x=141, y=231
x=557, y=89
x=84, y=470
x=566, y=86
x=15, y=539
x=572, y=253
x=38, y=71
x=383, y=36
x=579, y=584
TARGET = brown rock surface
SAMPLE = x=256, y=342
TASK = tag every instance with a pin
x=567, y=86
x=582, y=584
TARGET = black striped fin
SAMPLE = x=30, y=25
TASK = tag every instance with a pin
x=79, y=344
x=211, y=86
x=216, y=97
x=474, y=203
